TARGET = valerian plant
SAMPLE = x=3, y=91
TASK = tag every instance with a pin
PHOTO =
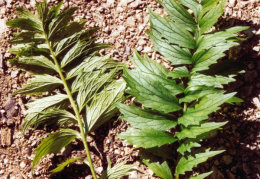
x=80, y=86
x=176, y=104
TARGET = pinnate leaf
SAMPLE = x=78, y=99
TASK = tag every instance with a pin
x=179, y=14
x=64, y=164
x=146, y=138
x=102, y=107
x=207, y=105
x=36, y=65
x=173, y=53
x=195, y=131
x=54, y=143
x=40, y=84
x=167, y=27
x=145, y=118
x=201, y=176
x=161, y=169
x=187, y=163
x=118, y=171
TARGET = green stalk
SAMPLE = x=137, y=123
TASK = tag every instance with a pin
x=74, y=106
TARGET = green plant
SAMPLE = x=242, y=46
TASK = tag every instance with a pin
x=176, y=104
x=80, y=86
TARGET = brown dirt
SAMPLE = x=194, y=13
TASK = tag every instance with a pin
x=123, y=23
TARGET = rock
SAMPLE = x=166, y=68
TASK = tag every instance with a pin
x=3, y=26
x=247, y=168
x=127, y=51
x=1, y=62
x=23, y=164
x=142, y=42
x=14, y=73
x=110, y=2
x=258, y=115
x=228, y=159
x=216, y=173
x=89, y=177
x=99, y=170
x=133, y=175
x=11, y=108
x=140, y=48
x=244, y=158
x=250, y=76
x=256, y=102
x=256, y=48
x=147, y=49
x=123, y=3
x=232, y=3
x=230, y=175
x=251, y=66
x=135, y=4
x=6, y=136
x=6, y=161
x=32, y=3
x=130, y=21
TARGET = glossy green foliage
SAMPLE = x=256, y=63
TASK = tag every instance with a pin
x=184, y=40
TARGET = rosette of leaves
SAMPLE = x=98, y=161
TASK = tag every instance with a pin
x=79, y=86
x=176, y=104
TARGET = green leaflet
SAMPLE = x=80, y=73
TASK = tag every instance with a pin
x=36, y=65
x=214, y=39
x=118, y=171
x=188, y=144
x=59, y=23
x=182, y=37
x=179, y=14
x=39, y=105
x=55, y=116
x=101, y=108
x=146, y=138
x=207, y=105
x=143, y=86
x=54, y=143
x=145, y=65
x=145, y=118
x=210, y=18
x=179, y=72
x=161, y=169
x=187, y=163
x=91, y=85
x=64, y=164
x=173, y=53
x=24, y=24
x=40, y=84
x=27, y=37
x=201, y=176
x=210, y=81
x=195, y=131
x=164, y=151
x=149, y=80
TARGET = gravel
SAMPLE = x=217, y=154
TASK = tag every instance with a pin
x=123, y=24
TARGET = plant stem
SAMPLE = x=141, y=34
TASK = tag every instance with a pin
x=74, y=106
x=177, y=176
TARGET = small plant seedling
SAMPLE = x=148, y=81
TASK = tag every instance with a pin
x=176, y=104
x=81, y=86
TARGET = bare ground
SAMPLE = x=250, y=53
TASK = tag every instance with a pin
x=123, y=23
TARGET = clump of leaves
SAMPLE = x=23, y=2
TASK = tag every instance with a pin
x=179, y=100
x=81, y=86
